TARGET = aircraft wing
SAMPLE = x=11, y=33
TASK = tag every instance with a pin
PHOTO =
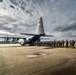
x=48, y=35
x=36, y=34
x=12, y=37
x=27, y=34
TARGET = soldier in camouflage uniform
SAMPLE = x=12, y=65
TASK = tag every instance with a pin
x=66, y=43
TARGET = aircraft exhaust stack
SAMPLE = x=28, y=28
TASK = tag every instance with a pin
x=40, y=28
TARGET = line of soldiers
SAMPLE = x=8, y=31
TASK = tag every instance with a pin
x=71, y=42
x=57, y=43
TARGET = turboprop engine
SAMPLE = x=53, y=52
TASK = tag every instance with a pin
x=21, y=41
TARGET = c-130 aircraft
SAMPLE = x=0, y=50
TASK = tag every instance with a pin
x=33, y=37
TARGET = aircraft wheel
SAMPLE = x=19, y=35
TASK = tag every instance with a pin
x=22, y=44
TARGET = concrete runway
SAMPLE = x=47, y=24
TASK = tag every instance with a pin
x=14, y=60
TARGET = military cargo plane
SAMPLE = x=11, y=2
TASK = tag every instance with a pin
x=33, y=37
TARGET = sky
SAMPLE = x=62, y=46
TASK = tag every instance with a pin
x=59, y=17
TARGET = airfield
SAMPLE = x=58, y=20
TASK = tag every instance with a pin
x=35, y=60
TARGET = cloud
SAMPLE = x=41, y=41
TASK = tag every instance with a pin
x=4, y=32
x=1, y=0
x=68, y=27
x=7, y=18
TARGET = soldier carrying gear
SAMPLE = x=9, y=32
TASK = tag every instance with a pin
x=73, y=43
x=63, y=43
x=66, y=43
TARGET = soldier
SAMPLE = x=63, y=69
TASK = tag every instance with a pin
x=73, y=44
x=66, y=43
x=44, y=43
x=63, y=43
x=38, y=44
x=57, y=43
x=70, y=43
x=54, y=42
x=60, y=43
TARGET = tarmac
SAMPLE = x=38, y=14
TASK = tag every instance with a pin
x=34, y=60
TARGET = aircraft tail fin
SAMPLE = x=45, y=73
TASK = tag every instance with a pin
x=40, y=28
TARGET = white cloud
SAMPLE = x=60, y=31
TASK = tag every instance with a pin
x=5, y=32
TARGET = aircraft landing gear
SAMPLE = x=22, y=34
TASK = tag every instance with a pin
x=22, y=44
